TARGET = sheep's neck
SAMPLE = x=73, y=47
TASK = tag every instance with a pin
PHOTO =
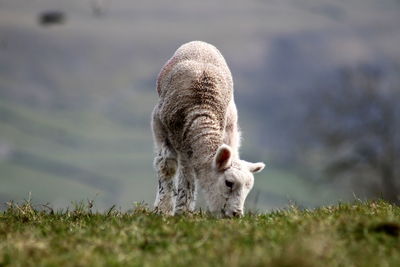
x=202, y=138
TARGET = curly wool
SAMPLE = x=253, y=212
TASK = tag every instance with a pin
x=195, y=88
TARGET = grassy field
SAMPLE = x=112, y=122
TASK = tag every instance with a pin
x=353, y=234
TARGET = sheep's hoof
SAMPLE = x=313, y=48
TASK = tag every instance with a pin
x=184, y=212
x=164, y=212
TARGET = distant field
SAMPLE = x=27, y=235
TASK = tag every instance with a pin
x=61, y=157
x=64, y=156
x=75, y=99
x=348, y=234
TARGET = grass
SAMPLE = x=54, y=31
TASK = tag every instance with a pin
x=353, y=234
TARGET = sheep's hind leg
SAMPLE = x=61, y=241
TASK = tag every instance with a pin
x=165, y=166
x=186, y=197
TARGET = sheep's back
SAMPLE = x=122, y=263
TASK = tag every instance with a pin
x=194, y=103
x=195, y=88
x=196, y=51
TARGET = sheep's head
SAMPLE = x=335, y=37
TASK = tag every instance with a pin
x=229, y=181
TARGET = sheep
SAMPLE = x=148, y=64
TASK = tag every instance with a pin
x=196, y=135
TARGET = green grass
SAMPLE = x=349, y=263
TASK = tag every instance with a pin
x=354, y=234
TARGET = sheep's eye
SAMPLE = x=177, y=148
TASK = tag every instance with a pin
x=229, y=183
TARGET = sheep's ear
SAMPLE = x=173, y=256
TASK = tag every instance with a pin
x=223, y=158
x=256, y=167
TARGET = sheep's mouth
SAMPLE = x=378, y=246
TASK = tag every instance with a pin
x=234, y=214
x=224, y=214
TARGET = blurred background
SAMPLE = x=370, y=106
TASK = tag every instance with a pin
x=316, y=84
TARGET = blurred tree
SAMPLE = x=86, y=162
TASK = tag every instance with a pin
x=98, y=8
x=355, y=120
x=52, y=17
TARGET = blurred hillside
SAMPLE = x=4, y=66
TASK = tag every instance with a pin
x=76, y=97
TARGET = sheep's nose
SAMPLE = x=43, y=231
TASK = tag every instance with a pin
x=236, y=213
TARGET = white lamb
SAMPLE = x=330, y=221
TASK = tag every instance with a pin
x=196, y=135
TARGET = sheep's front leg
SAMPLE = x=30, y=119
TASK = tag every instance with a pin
x=165, y=166
x=186, y=197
